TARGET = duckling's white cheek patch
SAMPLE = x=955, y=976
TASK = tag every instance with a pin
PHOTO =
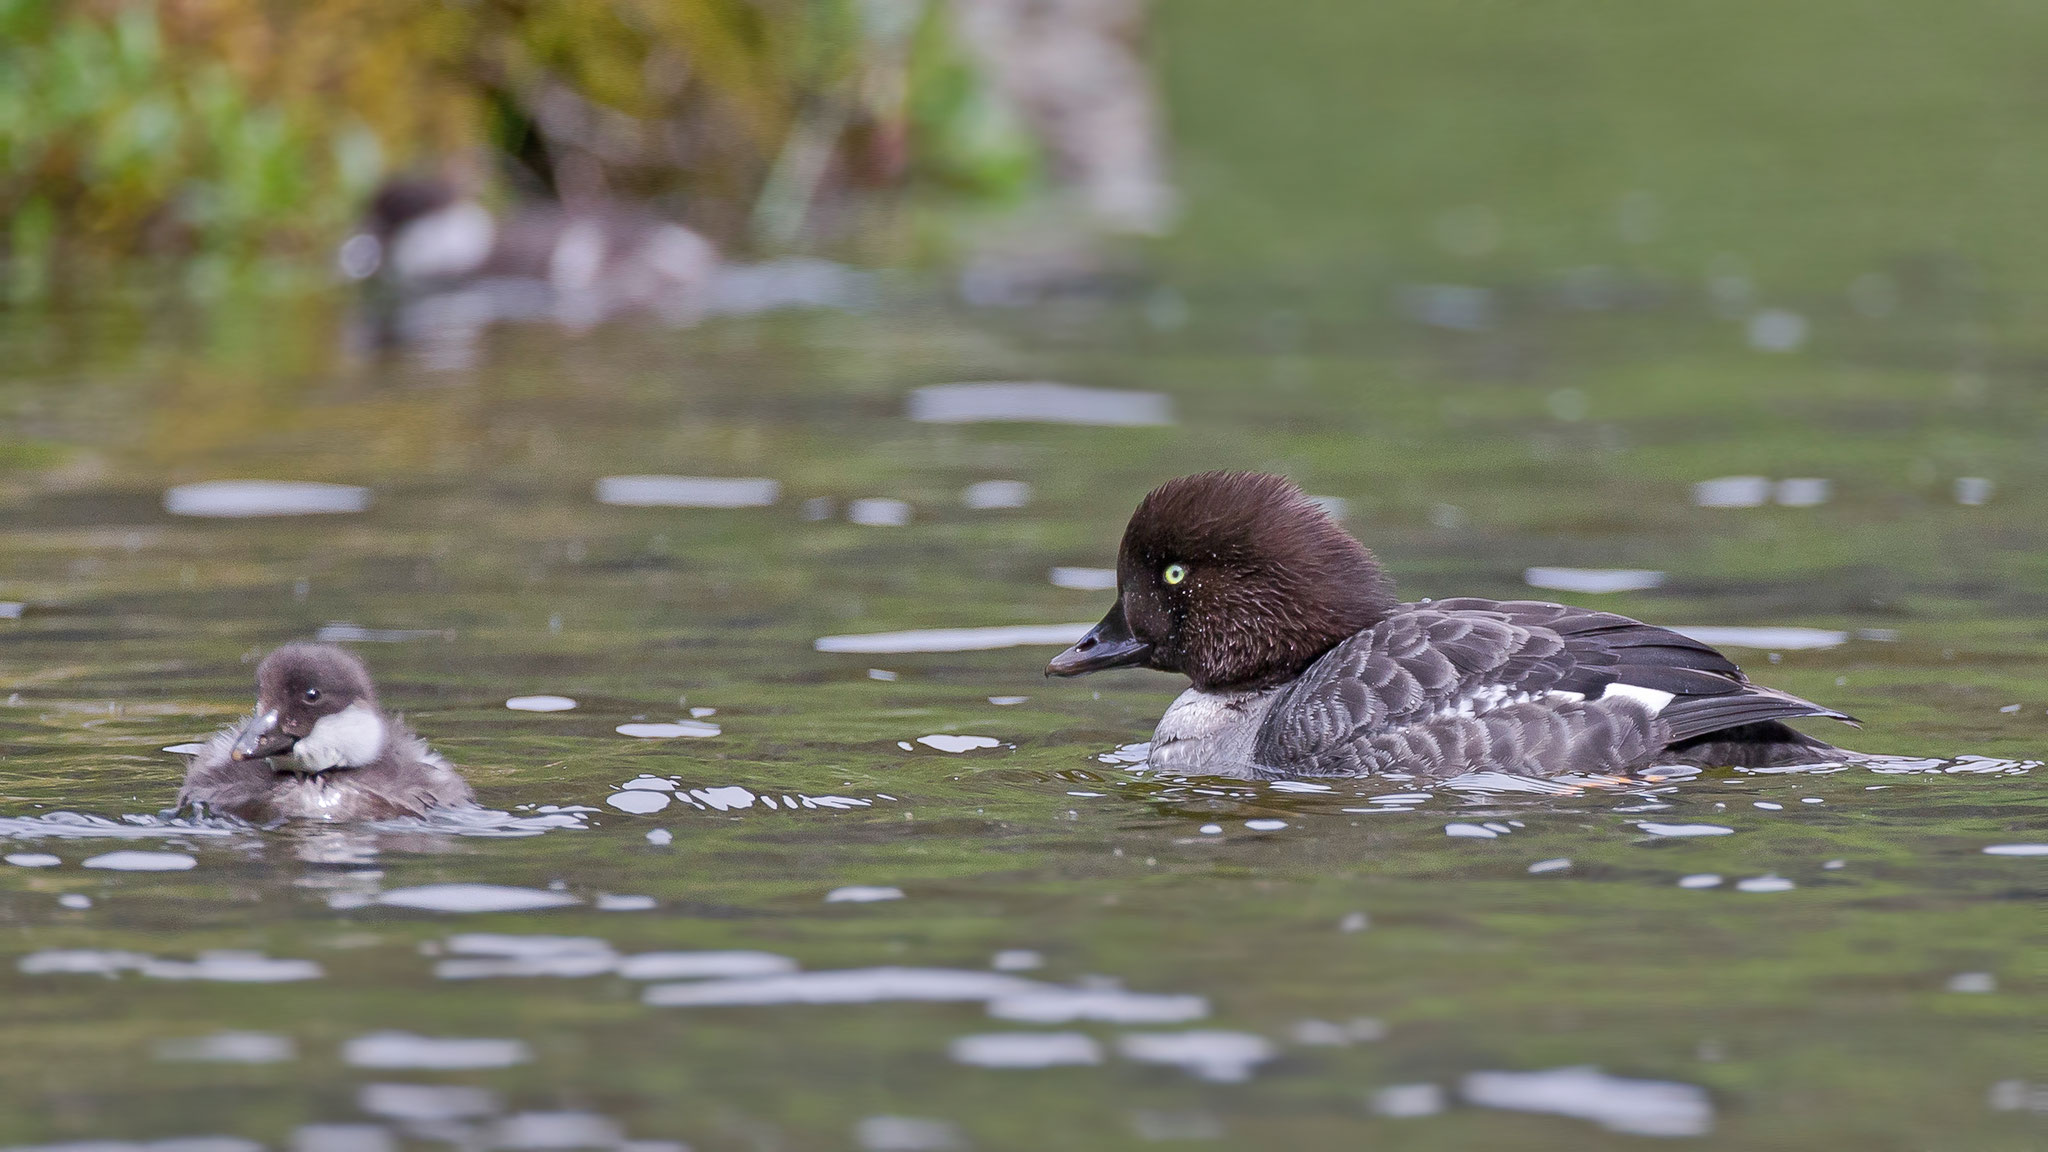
x=350, y=738
x=1649, y=698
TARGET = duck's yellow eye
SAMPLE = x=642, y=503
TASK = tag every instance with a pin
x=1175, y=573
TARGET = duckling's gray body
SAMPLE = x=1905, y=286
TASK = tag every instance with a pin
x=407, y=779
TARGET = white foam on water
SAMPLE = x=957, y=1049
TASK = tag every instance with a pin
x=1491, y=781
x=1559, y=864
x=1217, y=1056
x=862, y=894
x=834, y=802
x=79, y=961
x=879, y=512
x=234, y=967
x=1084, y=579
x=1037, y=402
x=607, y=902
x=342, y=1138
x=907, y=1134
x=143, y=862
x=1804, y=492
x=2013, y=850
x=1777, y=330
x=1054, y=1005
x=724, y=798
x=845, y=986
x=1732, y=492
x=954, y=639
x=1973, y=491
x=1007, y=701
x=508, y=946
x=1764, y=884
x=474, y=898
x=540, y=703
x=689, y=729
x=185, y=749
x=1779, y=639
x=235, y=499
x=1637, y=1107
x=687, y=492
x=12, y=609
x=76, y=901
x=229, y=1048
x=1700, y=880
x=535, y=1131
x=1975, y=983
x=1472, y=831
x=1407, y=1101
x=343, y=632
x=566, y=965
x=704, y=965
x=1593, y=580
x=648, y=784
x=425, y=1102
x=407, y=1050
x=991, y=494
x=638, y=802
x=32, y=860
x=514, y=944
x=949, y=743
x=1016, y=960
x=1025, y=1050
x=1684, y=829
x=1301, y=786
x=1265, y=825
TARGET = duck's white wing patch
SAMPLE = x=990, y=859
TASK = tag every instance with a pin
x=454, y=241
x=350, y=738
x=1649, y=698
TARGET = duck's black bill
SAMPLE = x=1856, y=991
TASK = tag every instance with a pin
x=1107, y=645
x=264, y=738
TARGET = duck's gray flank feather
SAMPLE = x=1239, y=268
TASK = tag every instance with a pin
x=1520, y=686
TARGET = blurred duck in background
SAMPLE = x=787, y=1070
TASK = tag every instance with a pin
x=438, y=267
x=435, y=260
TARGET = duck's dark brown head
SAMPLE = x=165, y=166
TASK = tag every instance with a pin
x=315, y=701
x=404, y=199
x=1235, y=579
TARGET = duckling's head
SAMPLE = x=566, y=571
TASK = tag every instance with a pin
x=317, y=703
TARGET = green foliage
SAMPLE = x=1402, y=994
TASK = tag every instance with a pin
x=240, y=128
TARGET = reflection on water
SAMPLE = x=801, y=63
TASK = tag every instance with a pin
x=1638, y=1107
x=955, y=639
x=945, y=901
x=234, y=499
x=687, y=492
x=1037, y=403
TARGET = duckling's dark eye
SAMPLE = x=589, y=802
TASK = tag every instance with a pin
x=312, y=694
x=1175, y=573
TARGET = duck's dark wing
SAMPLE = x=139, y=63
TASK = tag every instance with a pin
x=1515, y=685
x=1601, y=650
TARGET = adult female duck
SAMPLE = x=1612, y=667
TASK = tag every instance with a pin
x=1305, y=664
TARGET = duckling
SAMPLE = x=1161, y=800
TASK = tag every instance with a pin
x=319, y=747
